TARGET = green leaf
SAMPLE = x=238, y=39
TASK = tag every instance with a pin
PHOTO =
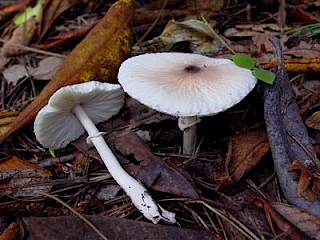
x=264, y=75
x=30, y=12
x=167, y=47
x=52, y=152
x=244, y=61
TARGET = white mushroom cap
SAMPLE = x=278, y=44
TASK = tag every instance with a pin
x=56, y=125
x=183, y=84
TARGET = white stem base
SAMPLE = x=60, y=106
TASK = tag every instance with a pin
x=189, y=127
x=134, y=189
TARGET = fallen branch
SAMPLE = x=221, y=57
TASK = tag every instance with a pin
x=288, y=136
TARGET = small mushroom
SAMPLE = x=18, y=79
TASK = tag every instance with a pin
x=185, y=85
x=76, y=108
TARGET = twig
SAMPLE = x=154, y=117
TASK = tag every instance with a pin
x=154, y=22
x=94, y=228
x=233, y=221
x=33, y=49
x=196, y=216
x=51, y=161
x=217, y=36
x=2, y=93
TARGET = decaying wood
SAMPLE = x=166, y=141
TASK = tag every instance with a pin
x=287, y=135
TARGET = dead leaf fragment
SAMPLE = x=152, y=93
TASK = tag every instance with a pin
x=153, y=171
x=250, y=30
x=308, y=184
x=246, y=150
x=198, y=33
x=314, y=121
x=262, y=41
x=15, y=164
x=287, y=228
x=47, y=68
x=11, y=232
x=97, y=57
x=14, y=73
x=65, y=38
x=299, y=14
x=213, y=5
x=22, y=35
x=20, y=178
x=6, y=118
x=306, y=222
x=11, y=9
x=53, y=9
x=304, y=65
x=108, y=192
x=45, y=71
x=40, y=228
x=22, y=186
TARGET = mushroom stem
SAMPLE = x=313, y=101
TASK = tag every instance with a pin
x=189, y=137
x=134, y=189
x=189, y=126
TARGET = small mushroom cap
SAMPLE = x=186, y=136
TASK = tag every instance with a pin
x=56, y=125
x=183, y=84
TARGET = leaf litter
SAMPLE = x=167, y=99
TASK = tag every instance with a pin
x=232, y=160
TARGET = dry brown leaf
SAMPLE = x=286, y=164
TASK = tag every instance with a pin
x=20, y=178
x=198, y=33
x=246, y=150
x=213, y=5
x=22, y=35
x=288, y=229
x=71, y=227
x=45, y=70
x=14, y=8
x=305, y=50
x=53, y=9
x=299, y=14
x=314, y=121
x=64, y=38
x=25, y=186
x=250, y=30
x=14, y=165
x=107, y=192
x=262, y=41
x=12, y=232
x=153, y=171
x=80, y=163
x=306, y=222
x=97, y=57
x=308, y=184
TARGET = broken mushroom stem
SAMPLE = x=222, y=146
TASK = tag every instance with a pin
x=134, y=189
x=189, y=127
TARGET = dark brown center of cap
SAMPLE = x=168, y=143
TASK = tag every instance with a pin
x=192, y=69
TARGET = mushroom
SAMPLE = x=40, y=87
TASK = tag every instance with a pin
x=76, y=108
x=185, y=85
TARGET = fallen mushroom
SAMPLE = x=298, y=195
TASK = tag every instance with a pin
x=76, y=108
x=185, y=85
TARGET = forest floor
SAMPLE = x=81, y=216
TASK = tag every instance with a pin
x=253, y=172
